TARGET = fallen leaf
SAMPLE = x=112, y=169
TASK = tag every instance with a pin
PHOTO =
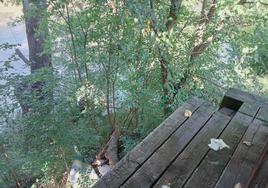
x=187, y=113
x=247, y=143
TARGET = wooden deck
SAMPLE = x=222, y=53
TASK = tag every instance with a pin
x=176, y=153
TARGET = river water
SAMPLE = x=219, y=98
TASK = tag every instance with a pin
x=12, y=35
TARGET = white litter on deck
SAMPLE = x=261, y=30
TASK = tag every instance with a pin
x=217, y=144
x=165, y=186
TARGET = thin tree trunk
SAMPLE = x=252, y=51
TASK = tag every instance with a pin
x=164, y=64
x=172, y=17
x=108, y=85
x=39, y=56
x=199, y=45
x=73, y=44
x=203, y=22
x=36, y=37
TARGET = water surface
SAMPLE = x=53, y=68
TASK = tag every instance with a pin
x=12, y=35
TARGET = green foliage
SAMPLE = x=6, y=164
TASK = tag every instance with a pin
x=106, y=71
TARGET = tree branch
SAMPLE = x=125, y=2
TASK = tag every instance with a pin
x=199, y=45
x=242, y=2
x=204, y=20
x=23, y=58
x=173, y=11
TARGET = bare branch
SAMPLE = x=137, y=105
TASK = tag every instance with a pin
x=23, y=58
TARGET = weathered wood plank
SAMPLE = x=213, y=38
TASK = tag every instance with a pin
x=243, y=160
x=244, y=96
x=263, y=113
x=159, y=161
x=227, y=111
x=210, y=169
x=133, y=160
x=261, y=181
x=249, y=108
x=253, y=157
x=181, y=169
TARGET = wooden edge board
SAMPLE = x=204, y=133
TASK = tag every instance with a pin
x=263, y=113
x=211, y=167
x=244, y=154
x=245, y=96
x=181, y=169
x=132, y=161
x=249, y=108
x=150, y=171
x=261, y=180
x=250, y=164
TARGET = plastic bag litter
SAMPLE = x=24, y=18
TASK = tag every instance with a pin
x=165, y=186
x=217, y=144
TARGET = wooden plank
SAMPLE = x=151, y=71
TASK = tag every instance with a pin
x=261, y=180
x=210, y=169
x=242, y=162
x=134, y=159
x=249, y=108
x=244, y=96
x=227, y=111
x=177, y=174
x=159, y=161
x=253, y=155
x=263, y=113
